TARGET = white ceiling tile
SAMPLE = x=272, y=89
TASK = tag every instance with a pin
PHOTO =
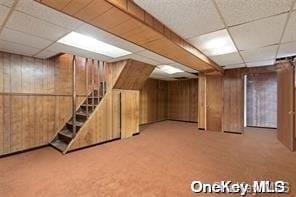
x=265, y=53
x=61, y=48
x=187, y=18
x=158, y=74
x=25, y=39
x=234, y=66
x=3, y=13
x=227, y=59
x=261, y=63
x=215, y=43
x=286, y=50
x=45, y=54
x=290, y=34
x=45, y=13
x=8, y=3
x=17, y=48
x=240, y=11
x=31, y=25
x=259, y=33
x=108, y=38
x=154, y=56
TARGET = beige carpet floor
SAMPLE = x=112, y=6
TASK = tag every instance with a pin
x=161, y=161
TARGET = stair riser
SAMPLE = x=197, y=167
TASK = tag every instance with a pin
x=81, y=118
x=65, y=139
x=90, y=101
x=70, y=127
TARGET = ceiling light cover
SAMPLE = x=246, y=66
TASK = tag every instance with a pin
x=216, y=43
x=91, y=44
x=170, y=69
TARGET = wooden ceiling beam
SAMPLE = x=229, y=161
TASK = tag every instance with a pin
x=128, y=21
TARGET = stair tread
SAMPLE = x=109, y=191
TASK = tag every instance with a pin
x=81, y=113
x=79, y=124
x=59, y=144
x=66, y=133
x=89, y=105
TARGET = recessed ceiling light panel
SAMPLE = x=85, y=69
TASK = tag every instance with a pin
x=170, y=69
x=91, y=44
x=216, y=43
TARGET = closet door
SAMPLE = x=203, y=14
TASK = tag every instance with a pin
x=214, y=102
x=286, y=106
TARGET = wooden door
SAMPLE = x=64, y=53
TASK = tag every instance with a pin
x=233, y=97
x=129, y=113
x=286, y=105
x=201, y=102
x=214, y=102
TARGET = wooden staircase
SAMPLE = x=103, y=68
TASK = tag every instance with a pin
x=72, y=127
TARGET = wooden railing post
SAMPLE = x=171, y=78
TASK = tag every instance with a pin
x=74, y=93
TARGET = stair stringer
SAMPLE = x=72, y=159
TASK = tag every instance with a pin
x=101, y=125
x=89, y=133
x=98, y=127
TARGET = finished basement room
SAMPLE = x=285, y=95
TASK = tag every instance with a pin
x=147, y=98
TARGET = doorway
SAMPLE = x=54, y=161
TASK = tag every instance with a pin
x=261, y=100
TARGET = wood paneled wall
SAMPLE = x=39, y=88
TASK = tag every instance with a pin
x=183, y=100
x=175, y=100
x=154, y=101
x=36, y=98
x=262, y=99
x=233, y=118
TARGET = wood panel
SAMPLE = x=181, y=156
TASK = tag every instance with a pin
x=182, y=100
x=128, y=21
x=201, y=101
x=286, y=105
x=233, y=97
x=104, y=123
x=162, y=100
x=154, y=101
x=134, y=75
x=129, y=113
x=262, y=99
x=35, y=98
x=214, y=102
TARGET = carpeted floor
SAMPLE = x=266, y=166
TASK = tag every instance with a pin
x=161, y=161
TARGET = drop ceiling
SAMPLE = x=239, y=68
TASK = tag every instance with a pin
x=261, y=30
x=32, y=29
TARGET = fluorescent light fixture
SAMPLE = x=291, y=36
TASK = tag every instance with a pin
x=91, y=44
x=260, y=63
x=170, y=69
x=216, y=43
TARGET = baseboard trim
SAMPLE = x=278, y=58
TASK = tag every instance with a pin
x=135, y=134
x=92, y=145
x=232, y=132
x=23, y=151
x=261, y=127
x=182, y=121
x=148, y=123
